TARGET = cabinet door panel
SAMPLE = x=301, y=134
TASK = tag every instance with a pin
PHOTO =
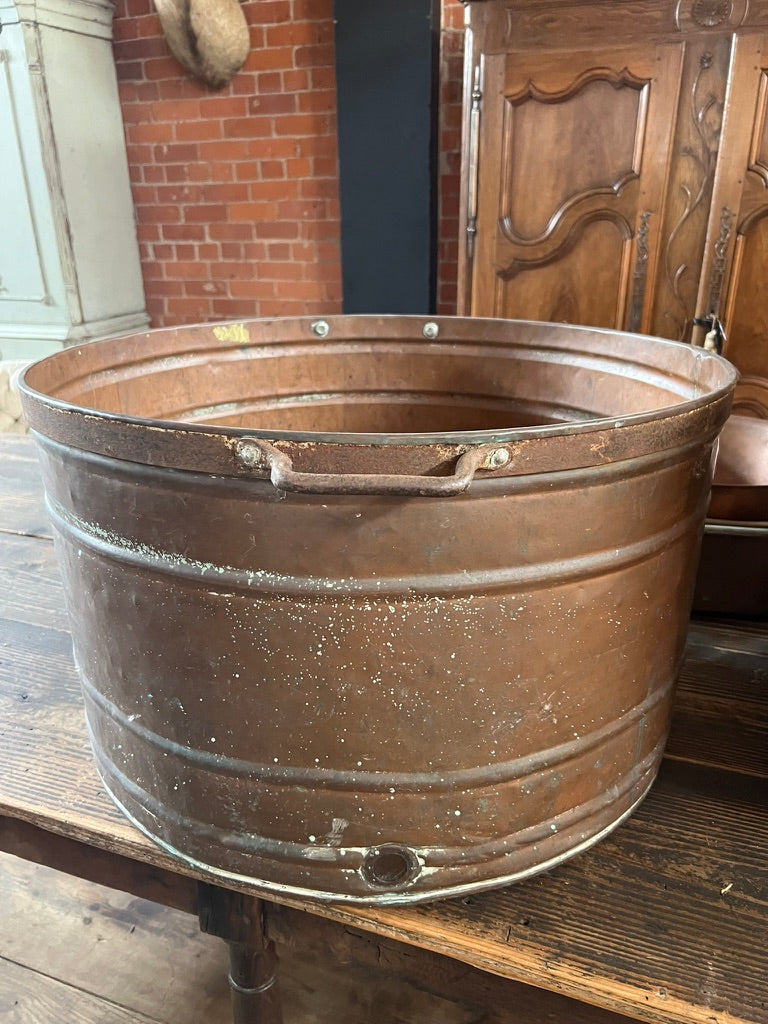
x=735, y=278
x=572, y=169
x=555, y=289
x=748, y=318
x=32, y=291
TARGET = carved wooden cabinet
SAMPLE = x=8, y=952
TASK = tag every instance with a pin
x=615, y=169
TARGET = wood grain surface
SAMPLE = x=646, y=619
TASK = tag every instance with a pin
x=121, y=951
x=661, y=921
x=95, y=956
x=694, y=241
x=27, y=997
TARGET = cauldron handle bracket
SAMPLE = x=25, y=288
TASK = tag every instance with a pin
x=256, y=453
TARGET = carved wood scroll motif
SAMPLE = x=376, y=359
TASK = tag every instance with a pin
x=640, y=276
x=516, y=25
x=695, y=15
x=696, y=162
x=719, y=260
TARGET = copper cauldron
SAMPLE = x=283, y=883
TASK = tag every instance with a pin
x=378, y=608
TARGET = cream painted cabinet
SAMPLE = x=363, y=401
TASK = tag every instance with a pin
x=69, y=261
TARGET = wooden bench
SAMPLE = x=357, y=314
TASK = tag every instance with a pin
x=664, y=921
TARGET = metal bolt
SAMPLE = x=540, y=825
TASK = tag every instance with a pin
x=431, y=330
x=498, y=458
x=249, y=455
x=321, y=328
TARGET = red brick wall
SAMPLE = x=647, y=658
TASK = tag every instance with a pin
x=451, y=76
x=236, y=191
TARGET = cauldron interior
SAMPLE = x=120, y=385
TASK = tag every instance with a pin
x=360, y=380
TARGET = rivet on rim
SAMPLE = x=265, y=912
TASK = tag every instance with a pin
x=498, y=458
x=430, y=330
x=249, y=455
x=321, y=328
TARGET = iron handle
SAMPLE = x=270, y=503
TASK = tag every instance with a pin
x=256, y=453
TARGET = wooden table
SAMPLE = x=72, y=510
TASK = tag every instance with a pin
x=664, y=921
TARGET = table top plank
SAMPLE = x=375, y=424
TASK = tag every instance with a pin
x=639, y=925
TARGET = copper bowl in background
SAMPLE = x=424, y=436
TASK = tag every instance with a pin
x=740, y=487
x=732, y=577
x=733, y=569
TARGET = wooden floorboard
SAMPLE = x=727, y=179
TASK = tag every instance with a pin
x=27, y=997
x=72, y=952
x=111, y=945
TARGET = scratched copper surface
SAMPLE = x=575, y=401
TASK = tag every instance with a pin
x=378, y=608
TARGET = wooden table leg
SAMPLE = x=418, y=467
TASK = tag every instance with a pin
x=253, y=980
x=239, y=920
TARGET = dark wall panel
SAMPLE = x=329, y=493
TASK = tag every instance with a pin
x=385, y=72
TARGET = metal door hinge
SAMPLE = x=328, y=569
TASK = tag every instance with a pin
x=474, y=154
